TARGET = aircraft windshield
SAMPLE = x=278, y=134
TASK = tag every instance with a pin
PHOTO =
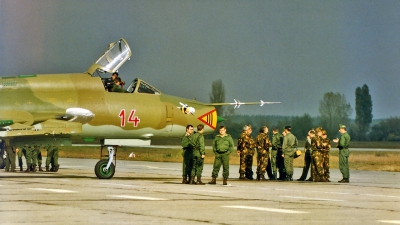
x=141, y=86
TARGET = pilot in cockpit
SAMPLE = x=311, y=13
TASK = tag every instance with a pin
x=116, y=87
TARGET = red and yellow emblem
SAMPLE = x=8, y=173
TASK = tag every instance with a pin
x=209, y=118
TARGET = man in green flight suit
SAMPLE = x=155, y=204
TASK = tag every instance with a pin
x=198, y=155
x=276, y=153
x=222, y=148
x=52, y=157
x=289, y=147
x=31, y=159
x=343, y=145
x=187, y=154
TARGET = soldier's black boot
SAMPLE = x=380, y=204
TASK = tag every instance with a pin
x=28, y=168
x=274, y=176
x=40, y=168
x=344, y=180
x=34, y=168
x=225, y=181
x=56, y=168
x=192, y=180
x=213, y=181
x=47, y=169
x=199, y=181
x=20, y=168
x=258, y=176
x=184, y=179
x=241, y=177
x=262, y=178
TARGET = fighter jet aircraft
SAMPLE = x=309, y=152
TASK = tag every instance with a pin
x=60, y=109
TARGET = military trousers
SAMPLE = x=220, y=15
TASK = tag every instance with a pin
x=288, y=161
x=10, y=160
x=262, y=161
x=317, y=169
x=31, y=157
x=52, y=156
x=307, y=162
x=325, y=164
x=187, y=164
x=344, y=163
x=246, y=162
x=221, y=159
x=198, y=164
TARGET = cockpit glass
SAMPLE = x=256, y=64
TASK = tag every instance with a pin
x=147, y=88
x=142, y=87
x=132, y=86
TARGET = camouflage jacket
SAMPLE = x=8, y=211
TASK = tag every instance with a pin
x=326, y=144
x=316, y=143
x=263, y=142
x=245, y=142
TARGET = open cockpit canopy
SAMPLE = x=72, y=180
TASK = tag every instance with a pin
x=113, y=58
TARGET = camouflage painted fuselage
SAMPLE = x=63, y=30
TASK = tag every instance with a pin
x=78, y=106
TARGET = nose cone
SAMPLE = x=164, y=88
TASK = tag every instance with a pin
x=220, y=119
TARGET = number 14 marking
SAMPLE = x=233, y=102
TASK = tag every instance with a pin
x=131, y=118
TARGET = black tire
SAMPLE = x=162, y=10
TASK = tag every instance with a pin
x=100, y=165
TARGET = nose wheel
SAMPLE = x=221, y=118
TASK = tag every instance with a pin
x=105, y=168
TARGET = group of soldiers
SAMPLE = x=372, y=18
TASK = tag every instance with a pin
x=33, y=156
x=273, y=157
x=279, y=159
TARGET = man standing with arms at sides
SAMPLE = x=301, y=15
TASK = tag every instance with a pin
x=222, y=148
x=198, y=155
x=289, y=147
x=307, y=156
x=263, y=145
x=276, y=147
x=245, y=148
x=343, y=145
x=187, y=154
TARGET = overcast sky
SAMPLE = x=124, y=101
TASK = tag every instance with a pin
x=287, y=51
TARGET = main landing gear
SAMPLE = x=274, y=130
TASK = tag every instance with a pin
x=105, y=168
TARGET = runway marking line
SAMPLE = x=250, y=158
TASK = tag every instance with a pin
x=389, y=221
x=225, y=192
x=318, y=199
x=137, y=197
x=123, y=185
x=52, y=190
x=263, y=209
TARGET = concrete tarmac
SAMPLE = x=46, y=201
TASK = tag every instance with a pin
x=152, y=193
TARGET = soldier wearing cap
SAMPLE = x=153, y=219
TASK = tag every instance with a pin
x=289, y=146
x=245, y=148
x=343, y=145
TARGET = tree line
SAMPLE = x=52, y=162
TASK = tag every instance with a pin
x=333, y=110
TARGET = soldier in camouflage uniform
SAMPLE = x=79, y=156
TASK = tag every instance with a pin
x=245, y=148
x=289, y=146
x=317, y=170
x=10, y=159
x=187, y=154
x=326, y=146
x=276, y=153
x=263, y=144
